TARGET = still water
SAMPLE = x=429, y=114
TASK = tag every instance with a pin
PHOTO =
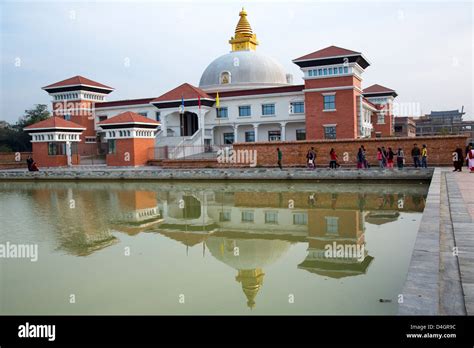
x=207, y=248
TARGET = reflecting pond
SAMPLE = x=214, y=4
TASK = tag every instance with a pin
x=207, y=248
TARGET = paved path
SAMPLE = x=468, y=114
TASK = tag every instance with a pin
x=461, y=201
x=440, y=279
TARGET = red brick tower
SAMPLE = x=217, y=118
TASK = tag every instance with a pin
x=74, y=100
x=333, y=91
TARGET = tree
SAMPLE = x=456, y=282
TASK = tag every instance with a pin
x=39, y=113
x=14, y=138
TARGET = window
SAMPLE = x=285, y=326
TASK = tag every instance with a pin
x=274, y=135
x=228, y=138
x=67, y=117
x=381, y=118
x=271, y=217
x=300, y=219
x=112, y=146
x=90, y=139
x=297, y=107
x=268, y=109
x=332, y=225
x=320, y=72
x=330, y=132
x=56, y=149
x=221, y=112
x=378, y=134
x=398, y=129
x=224, y=216
x=249, y=136
x=330, y=71
x=158, y=116
x=325, y=71
x=225, y=78
x=247, y=216
x=102, y=118
x=244, y=111
x=346, y=70
x=340, y=70
x=329, y=102
x=310, y=72
x=301, y=134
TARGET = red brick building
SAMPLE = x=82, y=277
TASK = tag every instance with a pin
x=243, y=96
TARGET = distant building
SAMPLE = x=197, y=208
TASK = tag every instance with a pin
x=404, y=126
x=440, y=123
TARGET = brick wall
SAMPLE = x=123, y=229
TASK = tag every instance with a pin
x=440, y=149
x=8, y=160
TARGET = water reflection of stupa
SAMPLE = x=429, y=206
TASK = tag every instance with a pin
x=249, y=257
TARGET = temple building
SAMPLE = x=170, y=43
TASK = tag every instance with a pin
x=242, y=96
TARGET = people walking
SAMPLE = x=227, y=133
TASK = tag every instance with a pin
x=364, y=157
x=415, y=154
x=333, y=162
x=311, y=158
x=424, y=157
x=280, y=158
x=360, y=159
x=390, y=156
x=400, y=158
x=458, y=159
x=470, y=159
x=384, y=156
x=380, y=157
x=468, y=148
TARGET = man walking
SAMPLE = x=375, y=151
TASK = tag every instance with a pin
x=415, y=153
x=280, y=156
x=424, y=157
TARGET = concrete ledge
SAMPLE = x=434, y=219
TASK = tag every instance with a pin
x=154, y=173
x=421, y=290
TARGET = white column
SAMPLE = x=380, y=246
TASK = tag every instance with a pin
x=283, y=131
x=236, y=132
x=255, y=130
x=164, y=126
x=68, y=153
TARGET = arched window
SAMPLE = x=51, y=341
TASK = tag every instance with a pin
x=224, y=78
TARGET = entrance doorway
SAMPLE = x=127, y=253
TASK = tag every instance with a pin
x=189, y=123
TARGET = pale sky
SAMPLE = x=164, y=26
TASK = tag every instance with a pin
x=423, y=50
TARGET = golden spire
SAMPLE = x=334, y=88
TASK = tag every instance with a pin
x=244, y=39
x=252, y=281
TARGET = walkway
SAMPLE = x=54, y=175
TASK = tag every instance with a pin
x=440, y=278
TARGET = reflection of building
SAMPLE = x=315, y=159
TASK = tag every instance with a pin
x=79, y=217
x=336, y=229
x=249, y=257
x=135, y=210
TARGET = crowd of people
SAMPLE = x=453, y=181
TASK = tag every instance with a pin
x=388, y=157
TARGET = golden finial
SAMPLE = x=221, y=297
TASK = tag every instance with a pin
x=244, y=38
